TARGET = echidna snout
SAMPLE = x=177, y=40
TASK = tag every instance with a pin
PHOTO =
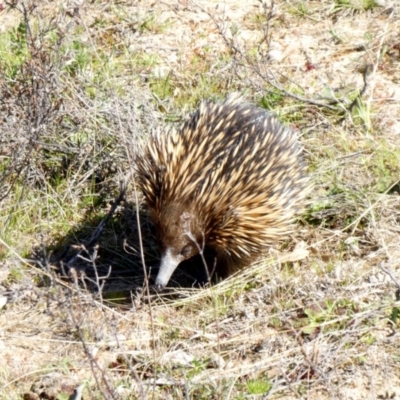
x=167, y=267
x=178, y=242
x=229, y=181
x=169, y=263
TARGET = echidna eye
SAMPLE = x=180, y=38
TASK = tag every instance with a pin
x=186, y=251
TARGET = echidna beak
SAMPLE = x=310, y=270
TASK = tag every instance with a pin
x=167, y=268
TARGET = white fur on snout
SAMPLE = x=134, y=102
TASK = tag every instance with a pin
x=167, y=268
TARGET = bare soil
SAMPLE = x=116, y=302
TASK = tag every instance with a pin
x=317, y=320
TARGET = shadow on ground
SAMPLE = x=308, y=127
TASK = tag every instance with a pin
x=113, y=263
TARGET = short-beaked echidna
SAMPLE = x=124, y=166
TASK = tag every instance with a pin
x=230, y=179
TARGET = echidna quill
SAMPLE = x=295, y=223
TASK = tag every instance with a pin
x=231, y=179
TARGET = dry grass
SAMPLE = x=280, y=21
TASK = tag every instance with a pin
x=81, y=86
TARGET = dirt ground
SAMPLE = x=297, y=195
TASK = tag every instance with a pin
x=323, y=325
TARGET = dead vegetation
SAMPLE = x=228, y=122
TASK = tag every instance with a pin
x=81, y=85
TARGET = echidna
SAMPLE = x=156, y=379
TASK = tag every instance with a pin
x=230, y=179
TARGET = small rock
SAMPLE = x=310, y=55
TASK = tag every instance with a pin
x=3, y=301
x=178, y=357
